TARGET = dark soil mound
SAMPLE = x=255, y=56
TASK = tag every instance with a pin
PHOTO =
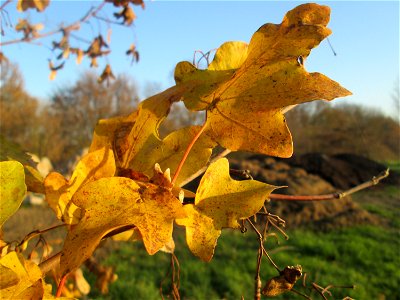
x=319, y=214
x=343, y=171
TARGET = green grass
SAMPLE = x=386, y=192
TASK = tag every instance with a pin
x=365, y=256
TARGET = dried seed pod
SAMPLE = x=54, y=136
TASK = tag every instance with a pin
x=282, y=283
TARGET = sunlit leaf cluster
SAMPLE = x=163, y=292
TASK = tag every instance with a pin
x=129, y=184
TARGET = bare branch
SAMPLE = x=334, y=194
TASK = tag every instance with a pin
x=374, y=181
x=4, y=4
x=50, y=263
x=73, y=26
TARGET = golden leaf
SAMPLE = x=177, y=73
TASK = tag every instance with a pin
x=115, y=202
x=169, y=152
x=220, y=203
x=226, y=200
x=59, y=191
x=12, y=188
x=244, y=103
x=201, y=234
x=137, y=144
x=23, y=278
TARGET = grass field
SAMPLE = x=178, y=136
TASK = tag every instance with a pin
x=365, y=256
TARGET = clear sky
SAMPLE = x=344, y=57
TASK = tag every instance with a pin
x=365, y=37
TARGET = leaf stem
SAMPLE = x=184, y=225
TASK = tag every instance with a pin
x=61, y=285
x=186, y=154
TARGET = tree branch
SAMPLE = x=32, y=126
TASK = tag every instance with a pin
x=4, y=4
x=374, y=181
x=73, y=26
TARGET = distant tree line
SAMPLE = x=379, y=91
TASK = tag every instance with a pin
x=63, y=126
x=344, y=128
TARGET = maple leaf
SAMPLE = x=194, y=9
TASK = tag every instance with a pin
x=20, y=278
x=244, y=97
x=169, y=151
x=59, y=191
x=201, y=233
x=147, y=148
x=137, y=144
x=115, y=202
x=111, y=133
x=227, y=59
x=220, y=203
x=12, y=188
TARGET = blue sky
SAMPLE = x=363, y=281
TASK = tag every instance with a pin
x=365, y=37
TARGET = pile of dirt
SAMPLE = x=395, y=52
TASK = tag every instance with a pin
x=343, y=171
x=320, y=214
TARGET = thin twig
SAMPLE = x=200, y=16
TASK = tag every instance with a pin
x=35, y=233
x=317, y=288
x=107, y=20
x=262, y=246
x=301, y=294
x=330, y=45
x=50, y=263
x=278, y=228
x=4, y=4
x=257, y=292
x=374, y=181
x=202, y=170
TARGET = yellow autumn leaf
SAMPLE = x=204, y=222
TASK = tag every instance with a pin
x=244, y=109
x=169, y=152
x=116, y=202
x=137, y=144
x=59, y=191
x=12, y=188
x=144, y=132
x=26, y=278
x=220, y=203
x=228, y=57
x=40, y=5
x=226, y=200
x=112, y=132
x=201, y=234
